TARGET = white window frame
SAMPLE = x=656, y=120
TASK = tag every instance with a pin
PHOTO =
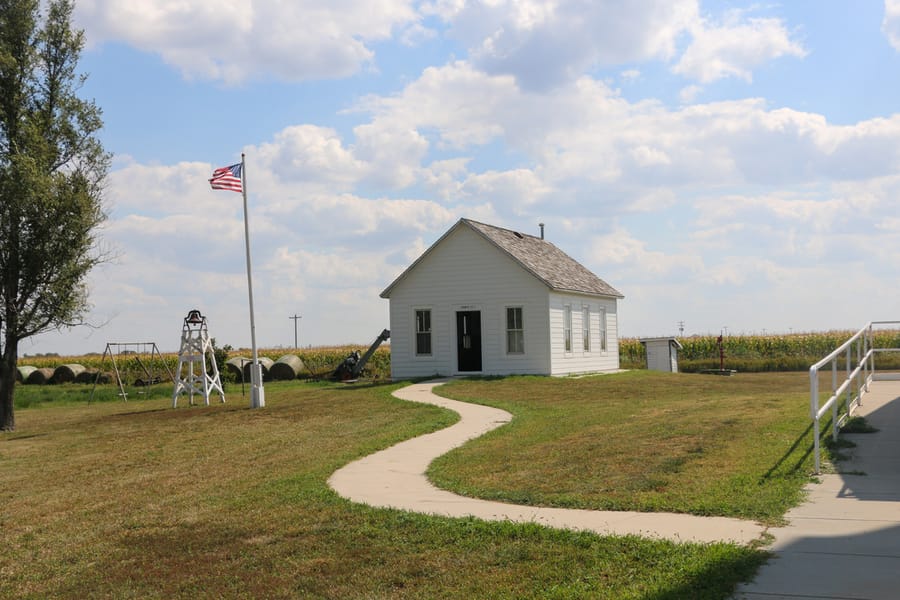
x=603, y=331
x=567, y=328
x=586, y=327
x=512, y=331
x=417, y=332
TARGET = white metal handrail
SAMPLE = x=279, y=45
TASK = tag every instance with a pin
x=856, y=380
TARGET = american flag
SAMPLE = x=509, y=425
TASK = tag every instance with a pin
x=227, y=178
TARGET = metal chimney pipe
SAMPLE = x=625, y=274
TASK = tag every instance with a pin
x=542, y=230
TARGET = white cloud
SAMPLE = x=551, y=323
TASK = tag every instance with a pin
x=627, y=253
x=312, y=155
x=584, y=151
x=545, y=44
x=233, y=41
x=735, y=49
x=416, y=35
x=548, y=44
x=162, y=188
x=297, y=268
x=516, y=187
x=814, y=214
x=689, y=93
x=890, y=26
x=646, y=156
x=734, y=271
x=542, y=44
x=583, y=147
x=457, y=101
x=630, y=75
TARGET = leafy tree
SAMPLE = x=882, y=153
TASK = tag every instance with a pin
x=52, y=169
x=221, y=356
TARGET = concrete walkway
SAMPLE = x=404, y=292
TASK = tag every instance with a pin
x=395, y=478
x=844, y=541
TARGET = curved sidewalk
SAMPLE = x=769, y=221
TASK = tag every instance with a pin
x=395, y=478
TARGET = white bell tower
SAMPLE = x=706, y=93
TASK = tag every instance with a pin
x=196, y=354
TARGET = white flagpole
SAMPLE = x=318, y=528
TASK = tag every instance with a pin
x=257, y=393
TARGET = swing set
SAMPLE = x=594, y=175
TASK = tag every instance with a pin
x=138, y=362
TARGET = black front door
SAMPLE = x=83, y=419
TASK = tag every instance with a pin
x=468, y=340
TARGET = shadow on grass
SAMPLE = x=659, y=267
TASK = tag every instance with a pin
x=718, y=580
x=831, y=447
x=14, y=438
x=376, y=383
x=790, y=451
x=133, y=413
x=349, y=386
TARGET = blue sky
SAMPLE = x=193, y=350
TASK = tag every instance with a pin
x=725, y=164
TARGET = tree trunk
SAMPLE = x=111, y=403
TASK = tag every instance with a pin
x=8, y=385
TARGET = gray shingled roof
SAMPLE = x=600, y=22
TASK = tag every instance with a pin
x=545, y=261
x=559, y=271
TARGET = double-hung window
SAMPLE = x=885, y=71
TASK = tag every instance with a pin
x=515, y=332
x=586, y=328
x=423, y=332
x=567, y=327
x=603, y=330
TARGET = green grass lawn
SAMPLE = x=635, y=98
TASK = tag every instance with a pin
x=138, y=500
x=701, y=444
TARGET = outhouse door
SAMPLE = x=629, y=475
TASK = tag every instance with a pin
x=468, y=340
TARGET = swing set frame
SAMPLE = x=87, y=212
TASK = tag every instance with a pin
x=132, y=351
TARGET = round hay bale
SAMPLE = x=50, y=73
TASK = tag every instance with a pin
x=67, y=373
x=23, y=372
x=40, y=376
x=233, y=366
x=286, y=368
x=90, y=376
x=266, y=364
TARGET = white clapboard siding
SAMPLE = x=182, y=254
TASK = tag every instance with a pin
x=579, y=361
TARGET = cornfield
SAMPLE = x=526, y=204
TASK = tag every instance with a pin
x=754, y=353
x=745, y=353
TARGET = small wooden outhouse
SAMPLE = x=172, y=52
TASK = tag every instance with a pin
x=662, y=353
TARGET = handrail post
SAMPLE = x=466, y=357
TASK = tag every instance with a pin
x=834, y=387
x=834, y=419
x=872, y=348
x=860, y=370
x=814, y=411
x=864, y=363
x=849, y=387
x=833, y=376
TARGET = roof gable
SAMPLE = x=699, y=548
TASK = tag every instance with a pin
x=556, y=269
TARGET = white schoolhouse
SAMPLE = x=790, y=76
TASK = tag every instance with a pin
x=483, y=300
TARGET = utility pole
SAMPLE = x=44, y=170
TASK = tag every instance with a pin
x=681, y=328
x=296, y=318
